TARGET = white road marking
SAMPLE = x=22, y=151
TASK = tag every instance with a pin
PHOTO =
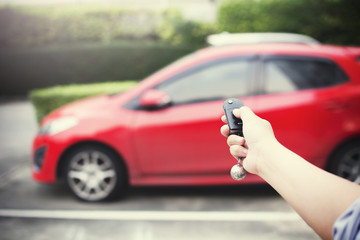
x=210, y=216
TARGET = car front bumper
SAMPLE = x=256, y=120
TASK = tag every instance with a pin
x=45, y=157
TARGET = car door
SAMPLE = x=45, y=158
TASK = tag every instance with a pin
x=184, y=138
x=296, y=90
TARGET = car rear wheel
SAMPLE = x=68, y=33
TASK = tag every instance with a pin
x=94, y=173
x=346, y=162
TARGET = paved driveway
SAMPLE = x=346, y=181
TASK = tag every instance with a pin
x=33, y=211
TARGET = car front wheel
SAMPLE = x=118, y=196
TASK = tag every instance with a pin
x=94, y=173
x=346, y=162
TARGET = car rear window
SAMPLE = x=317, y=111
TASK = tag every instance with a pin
x=291, y=74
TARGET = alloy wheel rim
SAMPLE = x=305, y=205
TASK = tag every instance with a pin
x=349, y=166
x=91, y=175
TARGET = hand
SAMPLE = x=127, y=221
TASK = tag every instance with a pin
x=307, y=188
x=258, y=136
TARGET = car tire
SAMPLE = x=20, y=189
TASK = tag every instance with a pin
x=345, y=162
x=94, y=173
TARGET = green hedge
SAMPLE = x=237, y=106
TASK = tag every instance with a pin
x=47, y=46
x=29, y=26
x=329, y=21
x=48, y=99
x=26, y=69
x=60, y=24
x=175, y=30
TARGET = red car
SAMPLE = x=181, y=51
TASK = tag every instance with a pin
x=165, y=131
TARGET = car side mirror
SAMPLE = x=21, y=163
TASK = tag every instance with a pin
x=154, y=99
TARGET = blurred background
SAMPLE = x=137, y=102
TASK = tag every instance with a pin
x=70, y=49
x=46, y=43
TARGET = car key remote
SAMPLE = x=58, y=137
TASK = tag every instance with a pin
x=235, y=124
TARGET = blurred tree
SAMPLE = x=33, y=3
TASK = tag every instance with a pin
x=330, y=21
x=175, y=30
x=18, y=29
x=30, y=26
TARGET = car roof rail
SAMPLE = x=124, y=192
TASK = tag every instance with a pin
x=226, y=38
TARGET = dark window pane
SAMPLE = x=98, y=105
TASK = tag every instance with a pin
x=286, y=75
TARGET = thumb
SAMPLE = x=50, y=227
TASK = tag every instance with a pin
x=244, y=113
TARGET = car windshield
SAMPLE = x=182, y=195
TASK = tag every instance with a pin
x=166, y=68
x=174, y=64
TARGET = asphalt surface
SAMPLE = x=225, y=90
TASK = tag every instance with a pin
x=29, y=210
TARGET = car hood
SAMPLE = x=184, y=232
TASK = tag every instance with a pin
x=81, y=109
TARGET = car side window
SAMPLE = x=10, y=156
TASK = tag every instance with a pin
x=217, y=80
x=287, y=75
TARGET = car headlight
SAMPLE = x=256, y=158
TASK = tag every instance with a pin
x=58, y=125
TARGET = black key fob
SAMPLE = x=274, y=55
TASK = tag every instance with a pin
x=235, y=124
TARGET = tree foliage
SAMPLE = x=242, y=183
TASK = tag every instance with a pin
x=39, y=26
x=330, y=21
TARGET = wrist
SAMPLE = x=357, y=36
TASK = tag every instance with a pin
x=269, y=157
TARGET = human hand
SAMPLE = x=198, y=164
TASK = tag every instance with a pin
x=258, y=136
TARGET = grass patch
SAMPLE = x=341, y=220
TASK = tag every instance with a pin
x=48, y=99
